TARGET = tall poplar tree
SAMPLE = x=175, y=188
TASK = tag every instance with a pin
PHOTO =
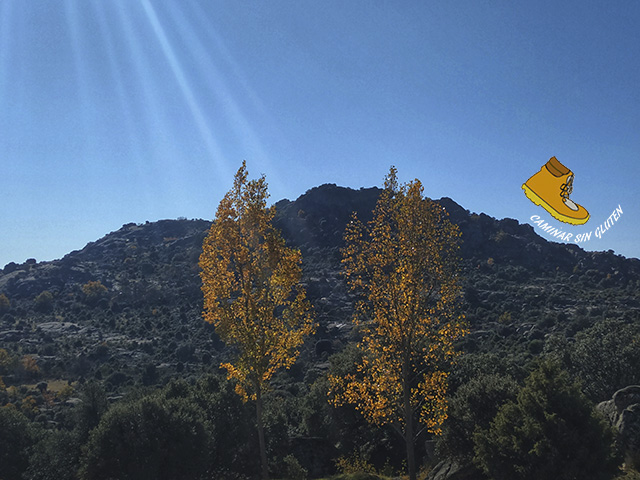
x=252, y=292
x=404, y=266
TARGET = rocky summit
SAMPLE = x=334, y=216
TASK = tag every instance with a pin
x=113, y=335
x=144, y=312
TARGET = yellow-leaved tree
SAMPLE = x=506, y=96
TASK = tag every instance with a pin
x=404, y=266
x=252, y=292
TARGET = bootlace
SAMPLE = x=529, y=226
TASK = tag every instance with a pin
x=567, y=188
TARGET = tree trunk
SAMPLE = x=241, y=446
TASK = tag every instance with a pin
x=409, y=427
x=408, y=437
x=263, y=446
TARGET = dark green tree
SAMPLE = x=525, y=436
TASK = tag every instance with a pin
x=16, y=436
x=606, y=358
x=94, y=405
x=233, y=422
x=56, y=456
x=5, y=304
x=149, y=439
x=550, y=432
x=44, y=302
x=473, y=406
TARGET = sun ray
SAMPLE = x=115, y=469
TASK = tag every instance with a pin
x=116, y=71
x=208, y=60
x=210, y=37
x=151, y=130
x=80, y=71
x=199, y=118
x=5, y=34
x=218, y=86
x=154, y=120
x=209, y=32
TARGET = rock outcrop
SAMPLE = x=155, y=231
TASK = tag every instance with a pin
x=518, y=288
x=452, y=470
x=623, y=412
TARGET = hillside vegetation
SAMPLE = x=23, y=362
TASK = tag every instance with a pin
x=111, y=339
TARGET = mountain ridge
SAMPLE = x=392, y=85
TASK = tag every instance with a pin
x=517, y=287
x=331, y=194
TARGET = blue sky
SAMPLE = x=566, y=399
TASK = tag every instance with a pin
x=126, y=111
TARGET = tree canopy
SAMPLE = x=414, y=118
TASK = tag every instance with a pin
x=252, y=291
x=549, y=431
x=404, y=265
x=152, y=438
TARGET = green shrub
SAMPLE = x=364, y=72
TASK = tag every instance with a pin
x=149, y=439
x=7, y=362
x=536, y=346
x=629, y=475
x=505, y=318
x=16, y=436
x=473, y=405
x=550, y=431
x=54, y=457
x=5, y=304
x=354, y=463
x=231, y=420
x=293, y=469
x=44, y=302
x=606, y=358
x=94, y=405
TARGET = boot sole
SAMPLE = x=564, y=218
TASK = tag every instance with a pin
x=531, y=195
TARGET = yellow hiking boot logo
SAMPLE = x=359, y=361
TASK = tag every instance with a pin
x=550, y=188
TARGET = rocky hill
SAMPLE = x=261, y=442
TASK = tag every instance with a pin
x=127, y=308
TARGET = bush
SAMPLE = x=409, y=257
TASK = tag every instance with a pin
x=357, y=476
x=606, y=358
x=44, y=302
x=94, y=291
x=16, y=437
x=473, y=406
x=5, y=304
x=550, y=431
x=65, y=393
x=94, y=405
x=232, y=421
x=354, y=464
x=29, y=406
x=54, y=457
x=294, y=470
x=7, y=362
x=29, y=367
x=149, y=439
x=629, y=475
